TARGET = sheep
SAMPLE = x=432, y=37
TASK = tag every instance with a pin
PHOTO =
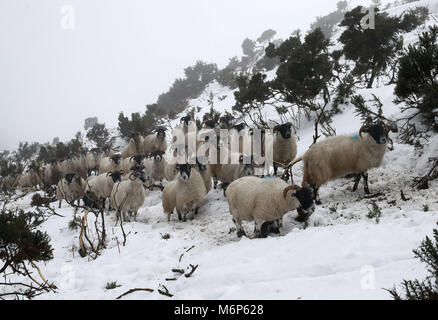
x=257, y=199
x=29, y=179
x=170, y=171
x=108, y=151
x=50, y=174
x=156, y=166
x=92, y=161
x=79, y=165
x=70, y=188
x=110, y=164
x=98, y=188
x=66, y=166
x=134, y=147
x=180, y=193
x=131, y=162
x=281, y=146
x=129, y=195
x=155, y=142
x=338, y=156
x=204, y=170
x=227, y=173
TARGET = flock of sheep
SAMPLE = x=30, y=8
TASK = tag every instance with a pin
x=125, y=178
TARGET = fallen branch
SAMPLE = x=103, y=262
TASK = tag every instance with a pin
x=165, y=293
x=188, y=275
x=134, y=290
x=178, y=271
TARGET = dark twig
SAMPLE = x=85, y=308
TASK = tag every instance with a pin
x=188, y=275
x=165, y=293
x=178, y=271
x=134, y=290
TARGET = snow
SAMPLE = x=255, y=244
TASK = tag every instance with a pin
x=343, y=254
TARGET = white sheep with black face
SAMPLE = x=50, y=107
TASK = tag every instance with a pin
x=92, y=160
x=227, y=173
x=29, y=179
x=338, y=156
x=110, y=164
x=155, y=165
x=99, y=188
x=260, y=200
x=131, y=162
x=70, y=188
x=134, y=147
x=128, y=196
x=155, y=142
x=186, y=191
x=281, y=146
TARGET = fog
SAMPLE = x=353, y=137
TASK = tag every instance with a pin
x=64, y=61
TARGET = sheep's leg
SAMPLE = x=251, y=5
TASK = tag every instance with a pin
x=365, y=183
x=258, y=229
x=356, y=182
x=196, y=211
x=240, y=231
x=316, y=195
x=215, y=182
x=60, y=201
x=179, y=215
x=224, y=187
x=280, y=227
x=135, y=216
x=275, y=169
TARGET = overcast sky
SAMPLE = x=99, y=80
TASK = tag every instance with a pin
x=120, y=55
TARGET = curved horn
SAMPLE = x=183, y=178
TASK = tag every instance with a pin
x=108, y=173
x=362, y=130
x=130, y=177
x=292, y=187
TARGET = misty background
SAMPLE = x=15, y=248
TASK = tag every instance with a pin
x=120, y=55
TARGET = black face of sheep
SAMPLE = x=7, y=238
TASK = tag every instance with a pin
x=138, y=159
x=69, y=177
x=116, y=176
x=116, y=159
x=157, y=155
x=184, y=170
x=285, y=130
x=139, y=173
x=161, y=133
x=376, y=131
x=304, y=196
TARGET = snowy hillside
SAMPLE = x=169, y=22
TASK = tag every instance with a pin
x=343, y=254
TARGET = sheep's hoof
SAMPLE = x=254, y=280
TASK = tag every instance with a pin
x=241, y=233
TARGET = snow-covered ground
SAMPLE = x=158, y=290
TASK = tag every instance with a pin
x=343, y=254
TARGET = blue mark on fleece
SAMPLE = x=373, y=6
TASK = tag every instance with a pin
x=355, y=136
x=268, y=178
